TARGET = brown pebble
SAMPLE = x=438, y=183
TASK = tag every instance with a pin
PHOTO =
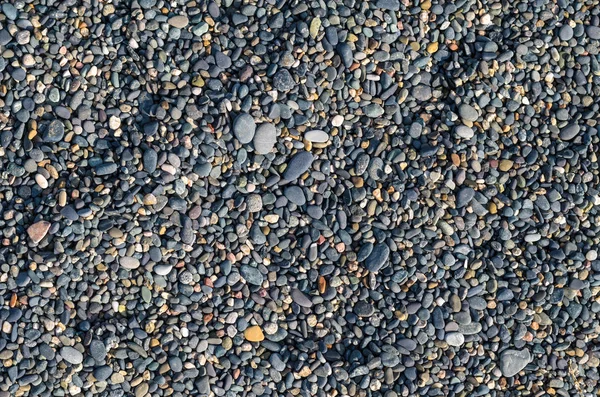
x=38, y=231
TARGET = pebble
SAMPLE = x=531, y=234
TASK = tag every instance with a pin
x=252, y=275
x=295, y=195
x=38, y=231
x=468, y=112
x=464, y=132
x=71, y=355
x=179, y=21
x=283, y=80
x=566, y=33
x=298, y=165
x=129, y=262
x=300, y=298
x=373, y=110
x=265, y=138
x=244, y=128
x=394, y=198
x=569, y=132
x=464, y=197
x=254, y=334
x=455, y=339
x=317, y=136
x=378, y=258
x=513, y=361
x=55, y=131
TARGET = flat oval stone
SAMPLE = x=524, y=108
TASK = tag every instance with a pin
x=265, y=138
x=317, y=136
x=244, y=128
x=254, y=334
x=345, y=53
x=569, y=132
x=71, y=355
x=54, y=132
x=129, y=262
x=98, y=350
x=300, y=298
x=298, y=165
x=513, y=361
x=178, y=21
x=464, y=132
x=373, y=110
x=295, y=195
x=464, y=196
x=38, y=231
x=162, y=269
x=455, y=339
x=468, y=112
x=149, y=160
x=252, y=275
x=377, y=258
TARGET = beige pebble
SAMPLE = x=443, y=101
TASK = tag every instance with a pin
x=337, y=120
x=41, y=181
x=114, y=122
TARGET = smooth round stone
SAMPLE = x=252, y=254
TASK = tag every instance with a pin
x=71, y=355
x=298, y=165
x=41, y=181
x=455, y=339
x=162, y=269
x=337, y=120
x=295, y=195
x=55, y=131
x=178, y=21
x=566, y=33
x=244, y=128
x=345, y=53
x=252, y=275
x=422, y=92
x=265, y=138
x=254, y=334
x=513, y=361
x=9, y=11
x=38, y=231
x=468, y=112
x=301, y=298
x=377, y=258
x=364, y=309
x=98, y=350
x=316, y=136
x=254, y=203
x=569, y=132
x=464, y=196
x=373, y=110
x=102, y=373
x=149, y=160
x=593, y=32
x=129, y=262
x=464, y=132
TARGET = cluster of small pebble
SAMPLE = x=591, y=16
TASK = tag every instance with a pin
x=299, y=198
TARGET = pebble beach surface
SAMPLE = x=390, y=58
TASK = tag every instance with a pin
x=299, y=198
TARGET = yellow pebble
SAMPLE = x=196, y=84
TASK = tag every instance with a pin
x=432, y=48
x=505, y=165
x=254, y=334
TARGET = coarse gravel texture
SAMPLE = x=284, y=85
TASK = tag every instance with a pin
x=299, y=198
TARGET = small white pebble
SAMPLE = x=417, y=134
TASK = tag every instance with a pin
x=41, y=181
x=338, y=120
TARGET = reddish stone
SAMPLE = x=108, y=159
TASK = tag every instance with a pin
x=38, y=231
